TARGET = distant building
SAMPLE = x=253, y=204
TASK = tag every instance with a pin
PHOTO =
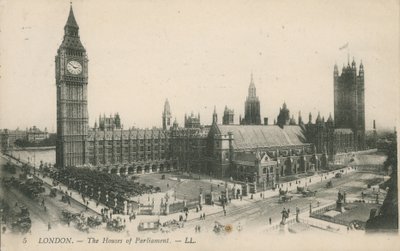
x=109, y=123
x=349, y=101
x=250, y=153
x=251, y=107
x=107, y=146
x=166, y=116
x=34, y=134
x=9, y=137
x=192, y=121
x=260, y=155
x=228, y=118
x=284, y=116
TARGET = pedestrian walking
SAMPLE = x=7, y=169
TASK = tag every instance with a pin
x=224, y=212
x=270, y=220
x=48, y=226
x=204, y=216
x=239, y=227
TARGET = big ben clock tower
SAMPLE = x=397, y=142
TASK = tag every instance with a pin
x=71, y=81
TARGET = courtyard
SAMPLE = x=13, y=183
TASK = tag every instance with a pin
x=183, y=186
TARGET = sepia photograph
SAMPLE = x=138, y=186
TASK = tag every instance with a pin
x=203, y=125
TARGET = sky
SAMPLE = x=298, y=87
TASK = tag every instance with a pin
x=198, y=54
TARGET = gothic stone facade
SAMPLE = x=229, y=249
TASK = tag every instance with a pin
x=107, y=147
x=261, y=154
x=249, y=152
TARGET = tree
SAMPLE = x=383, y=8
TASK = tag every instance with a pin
x=391, y=161
x=387, y=219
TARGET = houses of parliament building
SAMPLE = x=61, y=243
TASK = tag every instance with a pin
x=250, y=151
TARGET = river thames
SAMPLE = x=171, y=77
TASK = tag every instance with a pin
x=35, y=156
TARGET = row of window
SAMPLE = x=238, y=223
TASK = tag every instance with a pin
x=126, y=149
x=109, y=158
x=127, y=142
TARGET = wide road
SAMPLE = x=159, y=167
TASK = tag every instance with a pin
x=256, y=214
x=39, y=216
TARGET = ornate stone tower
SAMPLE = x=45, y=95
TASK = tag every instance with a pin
x=72, y=114
x=166, y=116
x=215, y=116
x=228, y=118
x=349, y=107
x=252, y=107
x=284, y=116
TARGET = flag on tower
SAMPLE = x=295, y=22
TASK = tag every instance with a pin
x=344, y=46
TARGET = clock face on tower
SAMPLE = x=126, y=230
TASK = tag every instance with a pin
x=74, y=67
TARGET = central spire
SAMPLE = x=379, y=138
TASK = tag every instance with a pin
x=71, y=18
x=252, y=87
x=71, y=33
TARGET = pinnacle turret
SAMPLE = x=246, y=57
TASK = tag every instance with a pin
x=71, y=34
x=71, y=19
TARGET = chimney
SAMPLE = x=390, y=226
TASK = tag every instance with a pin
x=265, y=121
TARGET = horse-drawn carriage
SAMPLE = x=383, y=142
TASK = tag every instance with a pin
x=82, y=226
x=285, y=198
x=309, y=193
x=21, y=225
x=21, y=221
x=150, y=224
x=329, y=184
x=94, y=221
x=300, y=189
x=282, y=192
x=67, y=216
x=53, y=192
x=171, y=225
x=221, y=229
x=115, y=225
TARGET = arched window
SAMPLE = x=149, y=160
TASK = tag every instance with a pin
x=264, y=170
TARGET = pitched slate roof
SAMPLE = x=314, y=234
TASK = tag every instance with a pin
x=251, y=136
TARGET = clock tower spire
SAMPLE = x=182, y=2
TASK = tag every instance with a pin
x=72, y=113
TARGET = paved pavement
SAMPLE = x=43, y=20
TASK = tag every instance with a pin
x=256, y=212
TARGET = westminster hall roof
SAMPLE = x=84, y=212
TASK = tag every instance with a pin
x=253, y=136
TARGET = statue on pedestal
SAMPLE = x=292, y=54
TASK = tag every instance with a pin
x=340, y=202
